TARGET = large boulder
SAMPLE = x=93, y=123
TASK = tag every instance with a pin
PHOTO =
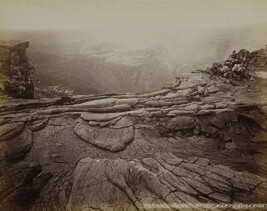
x=113, y=139
x=18, y=146
x=181, y=123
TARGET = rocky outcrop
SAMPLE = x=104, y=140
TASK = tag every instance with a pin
x=15, y=71
x=199, y=140
x=242, y=65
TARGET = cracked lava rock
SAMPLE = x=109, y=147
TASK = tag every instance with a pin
x=200, y=140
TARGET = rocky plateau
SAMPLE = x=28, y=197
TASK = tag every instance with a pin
x=202, y=139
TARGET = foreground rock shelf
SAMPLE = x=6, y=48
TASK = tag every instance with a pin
x=164, y=180
x=200, y=140
x=192, y=142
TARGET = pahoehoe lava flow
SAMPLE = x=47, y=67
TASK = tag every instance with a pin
x=201, y=139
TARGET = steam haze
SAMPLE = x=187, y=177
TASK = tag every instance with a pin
x=120, y=46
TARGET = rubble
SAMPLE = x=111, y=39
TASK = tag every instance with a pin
x=241, y=65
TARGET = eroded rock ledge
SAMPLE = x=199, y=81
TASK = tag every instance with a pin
x=201, y=139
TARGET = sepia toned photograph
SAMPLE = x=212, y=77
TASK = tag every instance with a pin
x=121, y=105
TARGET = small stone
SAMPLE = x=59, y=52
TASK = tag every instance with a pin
x=213, y=89
x=93, y=123
x=38, y=125
x=208, y=106
x=181, y=123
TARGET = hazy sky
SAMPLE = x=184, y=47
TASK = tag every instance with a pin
x=129, y=15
